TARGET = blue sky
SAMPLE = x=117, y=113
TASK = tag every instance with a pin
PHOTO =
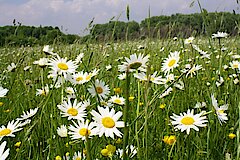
x=73, y=16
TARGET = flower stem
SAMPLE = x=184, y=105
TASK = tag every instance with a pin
x=125, y=116
x=88, y=148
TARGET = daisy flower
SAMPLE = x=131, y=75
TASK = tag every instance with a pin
x=81, y=130
x=107, y=122
x=43, y=92
x=166, y=93
x=29, y=114
x=189, y=40
x=193, y=70
x=11, y=67
x=219, y=35
x=48, y=50
x=11, y=128
x=79, y=78
x=171, y=62
x=3, y=154
x=122, y=76
x=78, y=156
x=89, y=76
x=153, y=78
x=60, y=66
x=186, y=121
x=117, y=100
x=42, y=62
x=72, y=111
x=235, y=65
x=222, y=117
x=79, y=58
x=100, y=89
x=134, y=63
x=62, y=131
x=3, y=91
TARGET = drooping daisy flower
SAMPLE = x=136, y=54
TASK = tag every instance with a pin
x=133, y=151
x=79, y=58
x=219, y=35
x=152, y=78
x=3, y=154
x=220, y=82
x=12, y=127
x=107, y=122
x=3, y=91
x=171, y=62
x=48, y=50
x=11, y=67
x=72, y=111
x=81, y=130
x=61, y=66
x=100, y=89
x=166, y=93
x=134, y=63
x=42, y=62
x=29, y=114
x=122, y=76
x=179, y=85
x=188, y=120
x=108, y=67
x=43, y=92
x=117, y=100
x=222, y=117
x=62, y=131
x=193, y=70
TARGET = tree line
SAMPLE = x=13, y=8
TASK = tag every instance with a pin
x=179, y=25
x=18, y=35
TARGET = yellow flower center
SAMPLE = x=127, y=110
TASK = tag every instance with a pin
x=62, y=66
x=99, y=90
x=5, y=132
x=235, y=66
x=108, y=122
x=135, y=65
x=78, y=158
x=221, y=111
x=84, y=132
x=1, y=104
x=117, y=101
x=72, y=111
x=187, y=121
x=80, y=78
x=88, y=77
x=171, y=62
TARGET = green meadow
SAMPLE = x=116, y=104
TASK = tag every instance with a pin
x=151, y=118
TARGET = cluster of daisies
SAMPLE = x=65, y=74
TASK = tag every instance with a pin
x=13, y=126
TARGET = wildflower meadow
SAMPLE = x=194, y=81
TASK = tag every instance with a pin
x=175, y=98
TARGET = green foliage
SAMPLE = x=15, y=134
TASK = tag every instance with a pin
x=169, y=26
x=29, y=35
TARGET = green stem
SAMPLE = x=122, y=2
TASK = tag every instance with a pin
x=88, y=148
x=238, y=133
x=137, y=114
x=125, y=116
